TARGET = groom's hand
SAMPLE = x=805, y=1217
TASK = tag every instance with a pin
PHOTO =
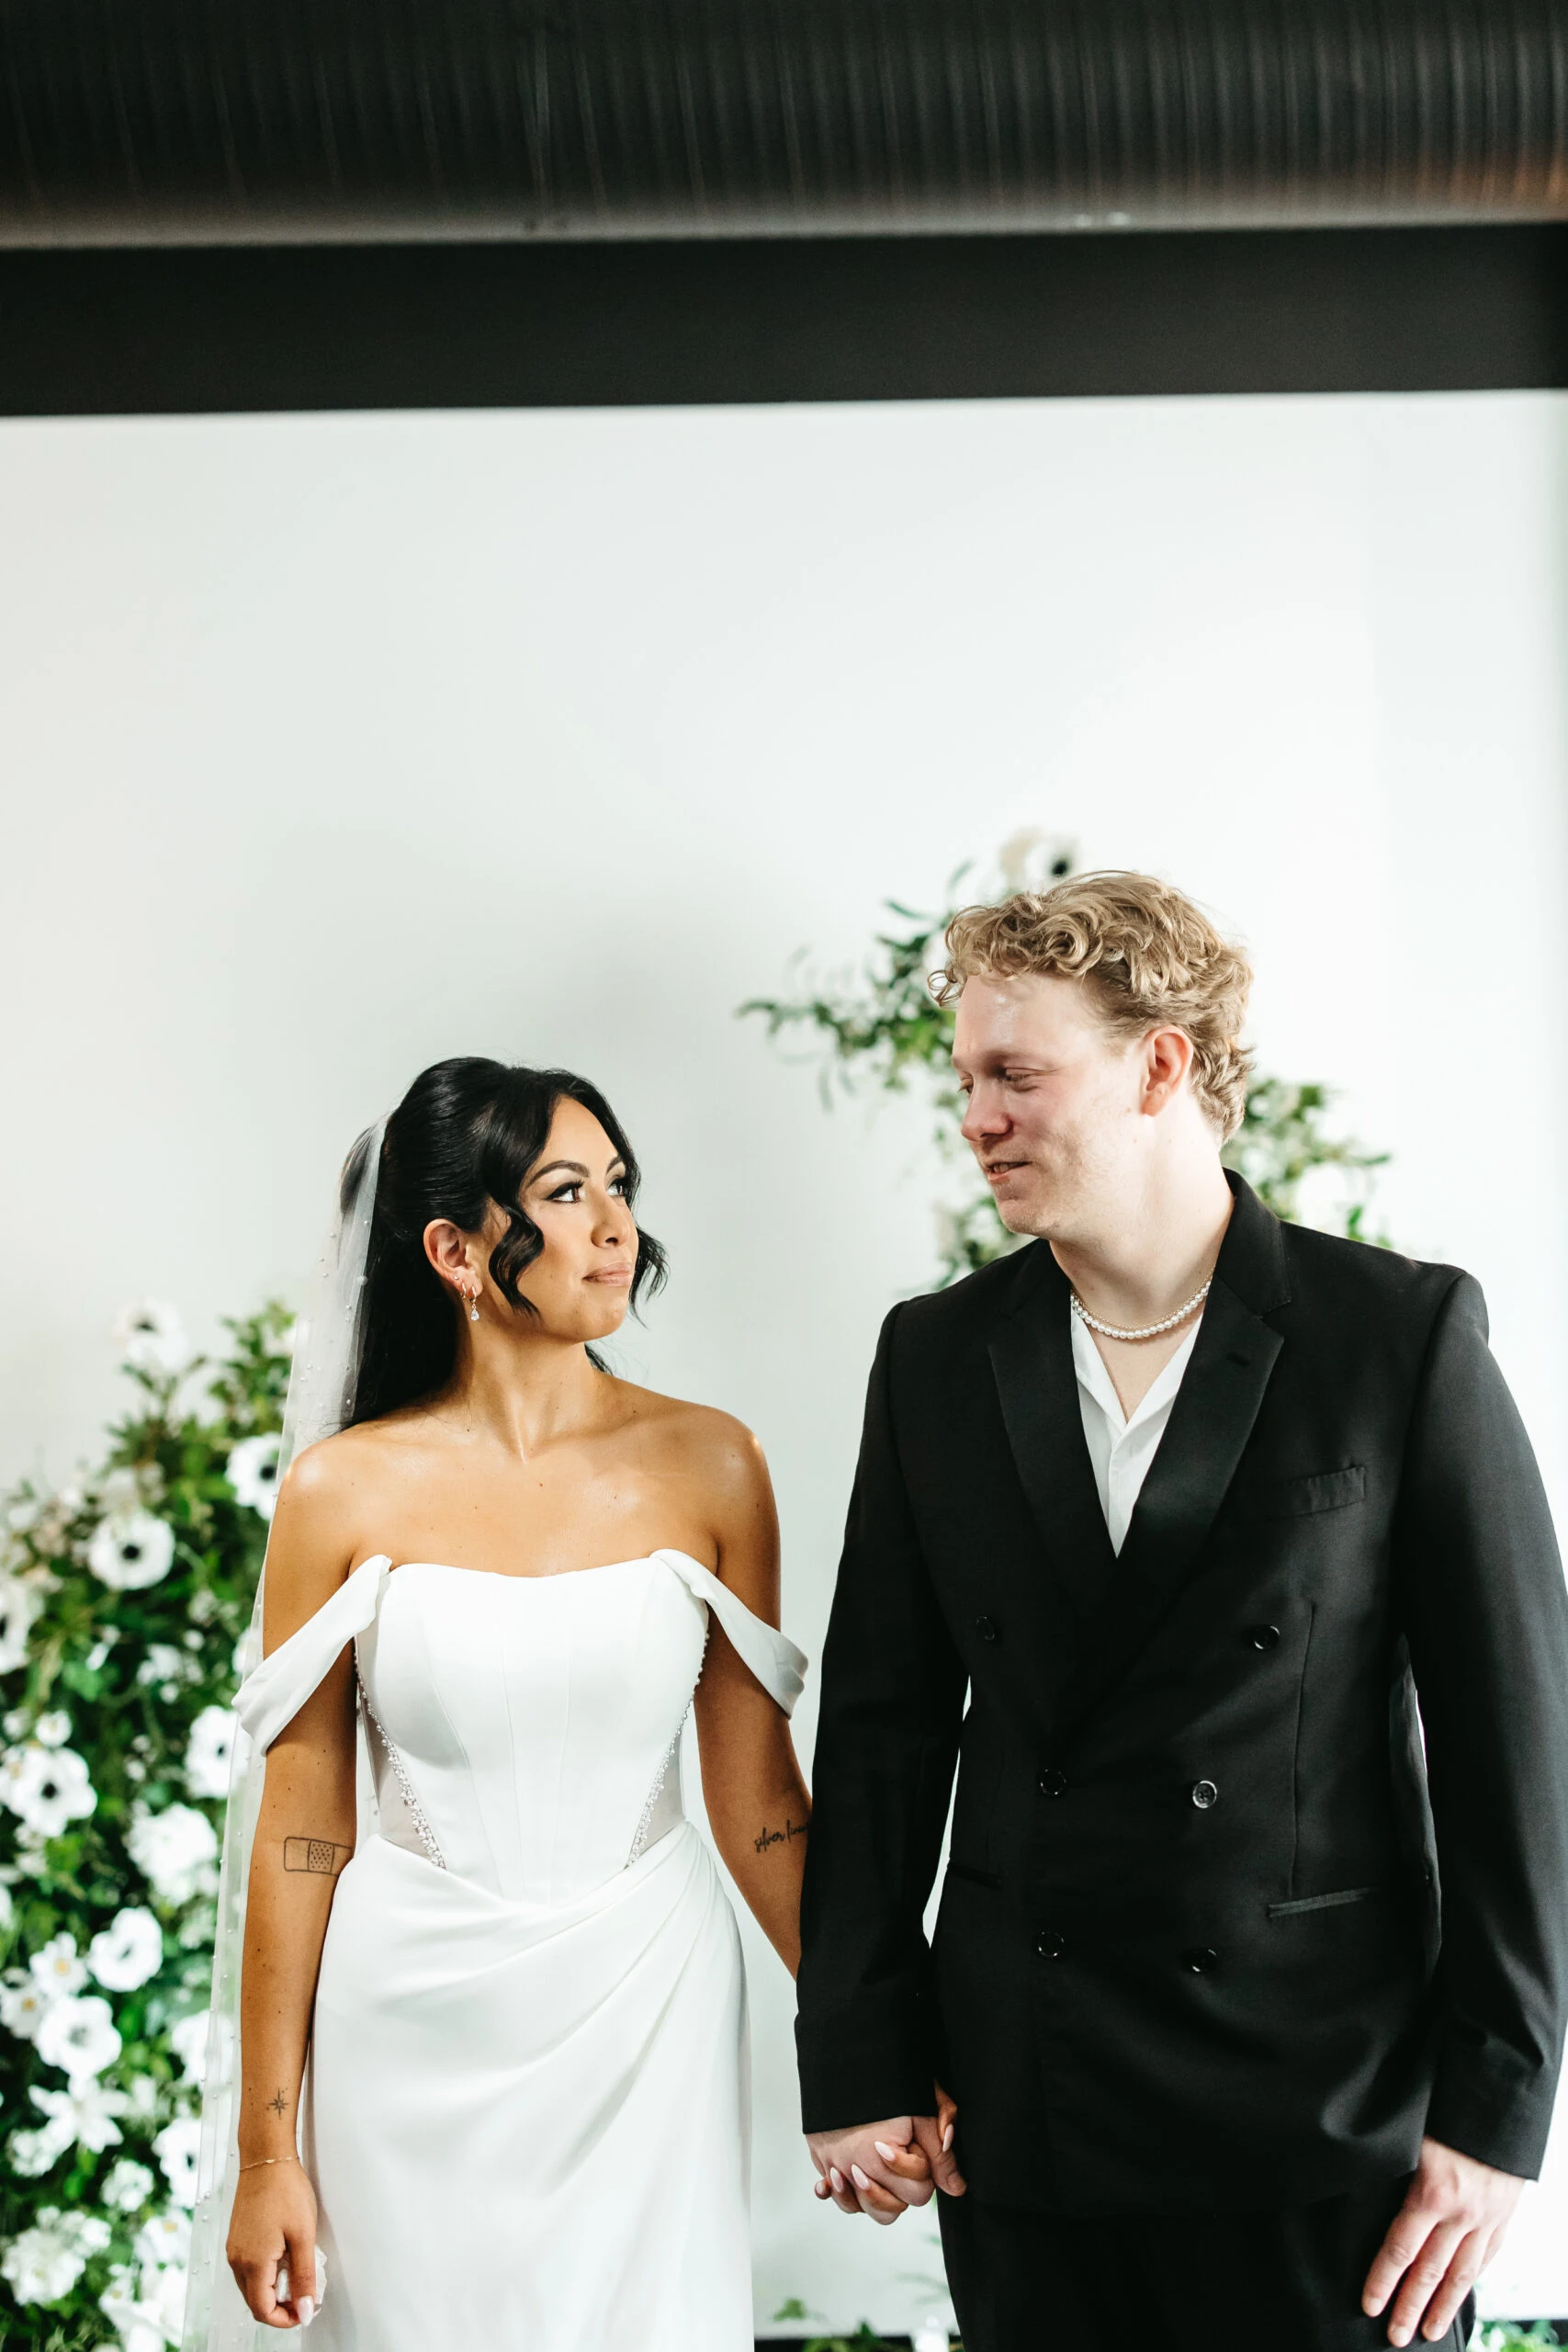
x=1450, y=2226
x=879, y=2168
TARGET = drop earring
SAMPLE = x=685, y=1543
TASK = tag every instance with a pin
x=473, y=1298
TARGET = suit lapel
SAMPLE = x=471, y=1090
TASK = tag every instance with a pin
x=1215, y=1410
x=1031, y=1355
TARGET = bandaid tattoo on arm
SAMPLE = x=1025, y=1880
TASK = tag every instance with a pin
x=319, y=1855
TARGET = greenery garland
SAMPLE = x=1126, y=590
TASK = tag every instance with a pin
x=121, y=1602
x=884, y=1031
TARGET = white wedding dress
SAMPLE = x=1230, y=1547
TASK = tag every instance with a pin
x=526, y=2116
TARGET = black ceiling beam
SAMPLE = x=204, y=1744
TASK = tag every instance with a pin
x=273, y=121
x=508, y=325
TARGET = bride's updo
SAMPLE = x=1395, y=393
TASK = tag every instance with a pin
x=463, y=1138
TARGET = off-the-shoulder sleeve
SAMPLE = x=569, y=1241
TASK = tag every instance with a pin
x=272, y=1695
x=771, y=1657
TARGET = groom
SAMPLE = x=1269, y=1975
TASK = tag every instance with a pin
x=1251, y=1967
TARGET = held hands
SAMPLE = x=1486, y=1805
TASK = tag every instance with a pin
x=1450, y=2226
x=879, y=2168
x=272, y=2244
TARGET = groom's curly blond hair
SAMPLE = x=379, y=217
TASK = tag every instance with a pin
x=1147, y=956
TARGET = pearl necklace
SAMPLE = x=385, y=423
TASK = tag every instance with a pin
x=1149, y=1331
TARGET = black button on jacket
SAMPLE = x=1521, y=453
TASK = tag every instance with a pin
x=1344, y=1513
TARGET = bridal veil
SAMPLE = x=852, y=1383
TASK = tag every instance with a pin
x=320, y=1400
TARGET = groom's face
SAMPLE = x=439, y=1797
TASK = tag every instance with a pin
x=1052, y=1102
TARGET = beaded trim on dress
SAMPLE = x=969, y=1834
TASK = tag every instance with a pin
x=645, y=1820
x=416, y=1812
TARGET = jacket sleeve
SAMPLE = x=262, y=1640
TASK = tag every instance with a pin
x=892, y=1700
x=1486, y=1614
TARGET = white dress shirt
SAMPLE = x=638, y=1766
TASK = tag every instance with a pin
x=1122, y=1449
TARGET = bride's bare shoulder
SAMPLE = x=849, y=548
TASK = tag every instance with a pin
x=713, y=1447
x=328, y=1474
x=330, y=1490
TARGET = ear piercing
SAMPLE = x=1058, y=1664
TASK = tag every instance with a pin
x=473, y=1299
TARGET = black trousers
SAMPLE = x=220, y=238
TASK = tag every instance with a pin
x=1288, y=2281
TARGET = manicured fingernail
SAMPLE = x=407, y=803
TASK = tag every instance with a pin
x=884, y=2151
x=836, y=2178
x=861, y=2179
x=820, y=2186
x=947, y=2140
x=306, y=2307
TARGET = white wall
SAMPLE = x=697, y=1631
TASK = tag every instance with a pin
x=335, y=744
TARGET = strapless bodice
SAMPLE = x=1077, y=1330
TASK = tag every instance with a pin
x=521, y=1729
x=529, y=1722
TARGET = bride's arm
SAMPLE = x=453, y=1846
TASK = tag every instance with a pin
x=304, y=1835
x=752, y=1785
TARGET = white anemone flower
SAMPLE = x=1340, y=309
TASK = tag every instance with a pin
x=78, y=2035
x=21, y=1601
x=175, y=1850
x=32, y=2153
x=85, y=2114
x=39, y=2266
x=134, y=1549
x=188, y=2039
x=119, y=1492
x=252, y=1471
x=208, y=1751
x=55, y=1967
x=178, y=2147
x=126, y=2186
x=136, y=2323
x=53, y=1729
x=44, y=2263
x=163, y=2293
x=143, y=2092
x=147, y=2310
x=137, y=2319
x=151, y=1338
x=23, y=2003
x=1033, y=860
x=128, y=1951
x=163, y=1667
x=162, y=2242
x=46, y=1788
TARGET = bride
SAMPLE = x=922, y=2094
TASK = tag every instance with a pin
x=493, y=2051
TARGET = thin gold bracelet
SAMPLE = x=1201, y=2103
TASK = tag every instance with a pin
x=256, y=2162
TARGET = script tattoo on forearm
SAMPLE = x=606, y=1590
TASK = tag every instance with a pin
x=791, y=1829
x=317, y=1854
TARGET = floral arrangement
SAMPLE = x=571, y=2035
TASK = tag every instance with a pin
x=122, y=1600
x=884, y=1031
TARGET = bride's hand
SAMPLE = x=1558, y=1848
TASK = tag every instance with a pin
x=880, y=2168
x=273, y=2226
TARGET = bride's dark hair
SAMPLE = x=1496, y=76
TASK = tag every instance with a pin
x=463, y=1136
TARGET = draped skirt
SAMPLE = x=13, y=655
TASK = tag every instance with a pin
x=528, y=2127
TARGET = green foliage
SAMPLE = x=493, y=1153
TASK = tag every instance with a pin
x=865, y=2339
x=121, y=1602
x=883, y=1032
x=1513, y=2336
x=1280, y=1144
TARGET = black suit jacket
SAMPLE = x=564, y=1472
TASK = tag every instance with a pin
x=1190, y=1949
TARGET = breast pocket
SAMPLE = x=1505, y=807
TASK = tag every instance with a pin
x=1318, y=1491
